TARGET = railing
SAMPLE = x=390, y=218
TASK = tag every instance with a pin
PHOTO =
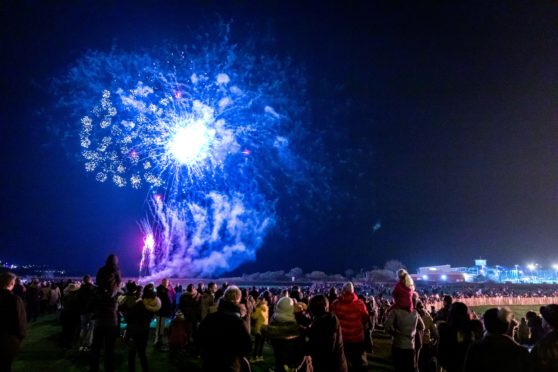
x=502, y=301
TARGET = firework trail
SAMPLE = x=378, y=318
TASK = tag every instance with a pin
x=210, y=129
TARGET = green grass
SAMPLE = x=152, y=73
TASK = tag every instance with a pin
x=40, y=352
x=519, y=311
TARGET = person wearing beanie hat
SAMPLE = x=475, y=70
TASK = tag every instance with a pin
x=286, y=337
x=224, y=341
x=353, y=316
x=545, y=352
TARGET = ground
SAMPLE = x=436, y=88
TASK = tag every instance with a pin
x=40, y=352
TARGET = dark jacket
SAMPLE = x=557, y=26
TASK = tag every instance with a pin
x=166, y=304
x=13, y=322
x=85, y=295
x=494, y=353
x=325, y=345
x=223, y=339
x=288, y=343
x=108, y=280
x=545, y=353
x=139, y=316
x=453, y=345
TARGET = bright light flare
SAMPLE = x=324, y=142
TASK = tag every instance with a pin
x=190, y=143
x=531, y=266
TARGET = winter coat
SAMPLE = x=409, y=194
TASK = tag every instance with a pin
x=495, y=353
x=13, y=323
x=453, y=345
x=260, y=316
x=402, y=326
x=288, y=343
x=208, y=304
x=352, y=315
x=403, y=297
x=139, y=316
x=325, y=345
x=545, y=353
x=85, y=296
x=190, y=306
x=108, y=280
x=223, y=339
x=105, y=309
x=166, y=303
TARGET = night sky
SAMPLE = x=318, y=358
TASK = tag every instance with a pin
x=440, y=122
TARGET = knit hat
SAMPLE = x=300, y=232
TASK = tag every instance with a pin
x=348, y=287
x=284, y=310
x=550, y=315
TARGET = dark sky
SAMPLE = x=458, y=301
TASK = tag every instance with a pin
x=447, y=113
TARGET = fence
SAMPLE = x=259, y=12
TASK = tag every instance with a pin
x=503, y=301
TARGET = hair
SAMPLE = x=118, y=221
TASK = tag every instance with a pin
x=459, y=316
x=149, y=291
x=404, y=277
x=6, y=278
x=87, y=278
x=348, y=287
x=495, y=321
x=319, y=305
x=112, y=261
x=232, y=294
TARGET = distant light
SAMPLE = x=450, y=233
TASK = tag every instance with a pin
x=432, y=269
x=425, y=277
x=444, y=277
x=555, y=267
x=531, y=266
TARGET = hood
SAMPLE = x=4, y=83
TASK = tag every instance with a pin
x=348, y=297
x=152, y=304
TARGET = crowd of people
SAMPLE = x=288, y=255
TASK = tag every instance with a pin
x=319, y=328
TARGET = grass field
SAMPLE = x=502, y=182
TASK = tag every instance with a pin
x=40, y=352
x=519, y=311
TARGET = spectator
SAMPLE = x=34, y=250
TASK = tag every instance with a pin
x=138, y=318
x=70, y=316
x=523, y=332
x=535, y=324
x=456, y=335
x=324, y=338
x=403, y=291
x=353, y=317
x=286, y=337
x=497, y=351
x=426, y=357
x=84, y=298
x=208, y=304
x=223, y=338
x=54, y=298
x=261, y=319
x=105, y=312
x=443, y=313
x=545, y=352
x=12, y=321
x=163, y=314
x=33, y=300
x=403, y=325
x=190, y=306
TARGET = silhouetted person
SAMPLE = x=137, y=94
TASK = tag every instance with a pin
x=106, y=318
x=13, y=321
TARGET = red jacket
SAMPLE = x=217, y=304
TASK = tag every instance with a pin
x=403, y=297
x=352, y=315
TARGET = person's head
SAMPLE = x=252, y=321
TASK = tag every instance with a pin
x=319, y=305
x=190, y=288
x=447, y=301
x=232, y=294
x=550, y=316
x=131, y=287
x=7, y=280
x=496, y=321
x=165, y=282
x=458, y=314
x=149, y=291
x=112, y=261
x=284, y=310
x=348, y=288
x=212, y=287
x=86, y=279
